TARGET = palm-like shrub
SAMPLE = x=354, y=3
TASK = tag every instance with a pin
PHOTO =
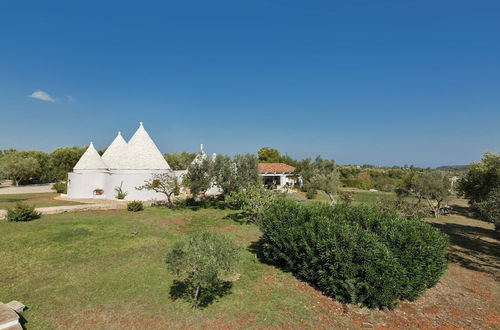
x=354, y=254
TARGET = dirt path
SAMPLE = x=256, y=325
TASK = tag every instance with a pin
x=7, y=189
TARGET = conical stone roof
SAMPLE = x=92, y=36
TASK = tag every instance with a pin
x=114, y=155
x=200, y=156
x=90, y=160
x=143, y=154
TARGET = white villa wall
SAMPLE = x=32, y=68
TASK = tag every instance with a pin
x=132, y=179
x=82, y=183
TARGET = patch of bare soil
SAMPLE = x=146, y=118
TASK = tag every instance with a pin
x=462, y=299
x=179, y=221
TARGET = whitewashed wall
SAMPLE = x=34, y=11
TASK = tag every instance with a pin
x=82, y=183
x=130, y=180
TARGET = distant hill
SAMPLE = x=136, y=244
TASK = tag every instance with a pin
x=459, y=168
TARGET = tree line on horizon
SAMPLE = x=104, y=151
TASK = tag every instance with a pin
x=34, y=166
x=480, y=183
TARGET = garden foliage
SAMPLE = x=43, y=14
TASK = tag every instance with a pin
x=201, y=261
x=135, y=206
x=356, y=255
x=252, y=200
x=60, y=187
x=22, y=212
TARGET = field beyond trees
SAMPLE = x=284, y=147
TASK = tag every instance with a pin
x=107, y=269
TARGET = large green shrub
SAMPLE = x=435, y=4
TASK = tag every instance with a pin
x=420, y=248
x=354, y=254
x=22, y=212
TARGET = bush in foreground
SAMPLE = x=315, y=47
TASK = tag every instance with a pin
x=135, y=206
x=22, y=212
x=356, y=255
x=201, y=262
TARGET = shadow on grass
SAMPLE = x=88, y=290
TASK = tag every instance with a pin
x=257, y=248
x=470, y=249
x=13, y=200
x=184, y=290
x=195, y=204
x=23, y=321
x=241, y=218
x=464, y=211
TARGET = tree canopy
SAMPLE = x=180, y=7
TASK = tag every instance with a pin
x=179, y=160
x=19, y=167
x=272, y=155
x=481, y=179
x=202, y=260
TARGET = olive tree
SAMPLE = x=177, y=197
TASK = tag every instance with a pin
x=179, y=161
x=199, y=177
x=327, y=181
x=19, y=167
x=62, y=161
x=490, y=207
x=252, y=200
x=164, y=183
x=235, y=174
x=481, y=179
x=433, y=187
x=202, y=260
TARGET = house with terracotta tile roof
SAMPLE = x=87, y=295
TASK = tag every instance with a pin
x=277, y=175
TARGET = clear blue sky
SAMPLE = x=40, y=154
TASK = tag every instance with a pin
x=381, y=82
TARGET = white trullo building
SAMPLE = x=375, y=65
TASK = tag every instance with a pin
x=125, y=165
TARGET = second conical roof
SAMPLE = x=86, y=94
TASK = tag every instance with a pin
x=114, y=155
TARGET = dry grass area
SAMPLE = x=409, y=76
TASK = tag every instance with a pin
x=105, y=270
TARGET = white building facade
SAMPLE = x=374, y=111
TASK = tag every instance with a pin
x=123, y=165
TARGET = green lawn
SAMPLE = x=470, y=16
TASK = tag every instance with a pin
x=360, y=196
x=108, y=267
x=106, y=270
x=36, y=199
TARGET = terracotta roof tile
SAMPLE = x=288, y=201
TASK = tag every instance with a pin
x=275, y=168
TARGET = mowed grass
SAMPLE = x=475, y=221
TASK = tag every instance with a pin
x=35, y=199
x=107, y=268
x=360, y=196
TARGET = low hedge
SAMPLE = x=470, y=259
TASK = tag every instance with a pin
x=355, y=254
x=22, y=212
x=135, y=206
